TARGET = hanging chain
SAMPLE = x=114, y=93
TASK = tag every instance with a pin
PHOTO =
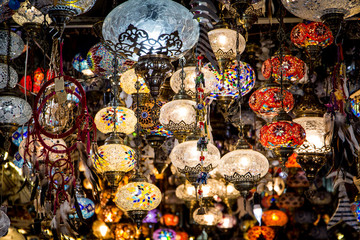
x=116, y=90
x=182, y=62
x=138, y=125
x=281, y=36
x=238, y=78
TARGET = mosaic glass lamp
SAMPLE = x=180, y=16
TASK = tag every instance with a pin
x=210, y=217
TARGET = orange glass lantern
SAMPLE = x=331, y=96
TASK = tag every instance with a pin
x=274, y=218
x=169, y=220
x=110, y=214
x=124, y=231
x=266, y=232
x=291, y=162
x=181, y=236
x=34, y=81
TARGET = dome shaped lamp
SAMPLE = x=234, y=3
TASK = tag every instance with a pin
x=207, y=216
x=129, y=30
x=243, y=167
x=137, y=198
x=282, y=136
x=185, y=157
x=113, y=159
x=223, y=41
x=312, y=154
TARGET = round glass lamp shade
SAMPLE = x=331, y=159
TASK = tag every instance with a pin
x=178, y=115
x=228, y=221
x=28, y=14
x=115, y=157
x=223, y=43
x=185, y=157
x=100, y=61
x=293, y=69
x=128, y=80
x=4, y=76
x=154, y=21
x=314, y=10
x=125, y=120
x=282, y=134
x=268, y=101
x=189, y=81
x=312, y=34
x=274, y=218
x=243, y=162
x=14, y=110
x=87, y=207
x=138, y=196
x=211, y=217
x=255, y=232
x=227, y=83
x=315, y=135
x=16, y=44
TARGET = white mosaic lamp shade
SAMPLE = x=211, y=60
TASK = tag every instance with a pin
x=211, y=217
x=14, y=110
x=16, y=44
x=29, y=14
x=128, y=80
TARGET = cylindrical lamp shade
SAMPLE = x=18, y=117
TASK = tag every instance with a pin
x=138, y=196
x=125, y=120
x=185, y=156
x=223, y=43
x=211, y=217
x=210, y=83
x=152, y=19
x=315, y=135
x=115, y=157
x=282, y=134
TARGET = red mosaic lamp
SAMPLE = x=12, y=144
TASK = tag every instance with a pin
x=290, y=68
x=313, y=37
x=261, y=232
x=270, y=99
x=282, y=136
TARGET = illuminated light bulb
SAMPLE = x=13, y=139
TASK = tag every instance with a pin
x=103, y=230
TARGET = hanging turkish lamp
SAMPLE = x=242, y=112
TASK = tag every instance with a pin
x=282, y=136
x=16, y=45
x=330, y=12
x=137, y=198
x=261, y=232
x=313, y=37
x=223, y=41
x=274, y=217
x=243, y=167
x=210, y=81
x=288, y=68
x=34, y=81
x=62, y=11
x=80, y=65
x=179, y=115
x=315, y=150
x=5, y=79
x=270, y=99
x=153, y=48
x=128, y=80
x=114, y=159
x=207, y=216
x=185, y=157
x=100, y=61
x=30, y=18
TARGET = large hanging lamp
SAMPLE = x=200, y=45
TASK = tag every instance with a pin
x=153, y=35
